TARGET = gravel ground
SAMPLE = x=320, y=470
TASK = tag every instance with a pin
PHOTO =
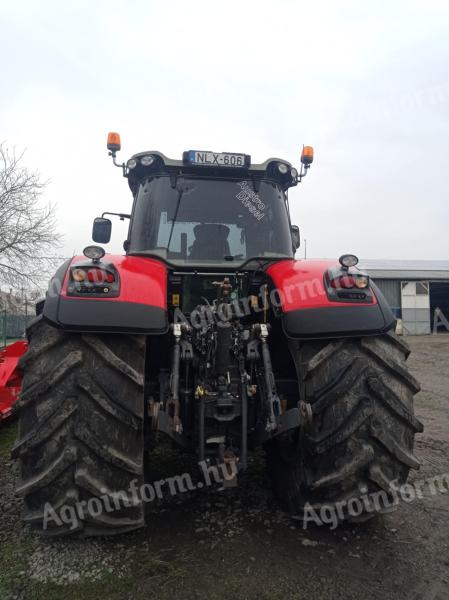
x=238, y=543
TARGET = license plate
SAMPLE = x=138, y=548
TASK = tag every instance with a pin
x=216, y=159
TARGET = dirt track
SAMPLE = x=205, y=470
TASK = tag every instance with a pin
x=239, y=544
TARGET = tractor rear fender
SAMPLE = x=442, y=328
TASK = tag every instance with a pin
x=310, y=308
x=136, y=303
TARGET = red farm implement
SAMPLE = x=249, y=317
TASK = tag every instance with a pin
x=10, y=377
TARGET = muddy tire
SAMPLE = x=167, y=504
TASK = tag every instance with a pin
x=81, y=415
x=358, y=394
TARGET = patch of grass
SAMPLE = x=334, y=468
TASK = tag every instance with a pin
x=143, y=569
x=15, y=580
x=107, y=586
x=8, y=433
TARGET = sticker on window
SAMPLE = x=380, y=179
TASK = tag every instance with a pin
x=251, y=200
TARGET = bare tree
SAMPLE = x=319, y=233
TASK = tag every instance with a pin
x=27, y=228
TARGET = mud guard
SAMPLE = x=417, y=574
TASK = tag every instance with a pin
x=138, y=306
x=309, y=311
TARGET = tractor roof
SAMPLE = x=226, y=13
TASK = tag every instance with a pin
x=144, y=164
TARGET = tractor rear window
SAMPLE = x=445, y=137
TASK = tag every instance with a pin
x=198, y=220
x=235, y=239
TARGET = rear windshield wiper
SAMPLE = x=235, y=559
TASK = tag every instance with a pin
x=175, y=216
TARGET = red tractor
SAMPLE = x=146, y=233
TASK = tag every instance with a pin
x=209, y=331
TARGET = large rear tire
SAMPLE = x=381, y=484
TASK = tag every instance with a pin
x=360, y=437
x=81, y=431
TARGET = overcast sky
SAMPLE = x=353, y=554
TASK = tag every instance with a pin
x=365, y=83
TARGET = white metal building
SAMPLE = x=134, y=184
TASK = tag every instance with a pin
x=417, y=291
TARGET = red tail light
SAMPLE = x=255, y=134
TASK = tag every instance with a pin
x=346, y=281
x=99, y=276
x=92, y=275
x=94, y=280
x=349, y=281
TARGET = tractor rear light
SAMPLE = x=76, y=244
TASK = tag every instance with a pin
x=148, y=160
x=343, y=285
x=99, y=276
x=346, y=281
x=283, y=169
x=79, y=275
x=95, y=281
x=350, y=281
x=92, y=275
x=348, y=260
x=95, y=253
x=361, y=281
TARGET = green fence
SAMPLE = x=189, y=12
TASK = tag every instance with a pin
x=12, y=326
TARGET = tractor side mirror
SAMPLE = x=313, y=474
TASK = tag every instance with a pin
x=101, y=230
x=296, y=236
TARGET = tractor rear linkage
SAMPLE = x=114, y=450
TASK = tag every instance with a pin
x=220, y=352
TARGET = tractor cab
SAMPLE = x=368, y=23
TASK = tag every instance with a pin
x=208, y=208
